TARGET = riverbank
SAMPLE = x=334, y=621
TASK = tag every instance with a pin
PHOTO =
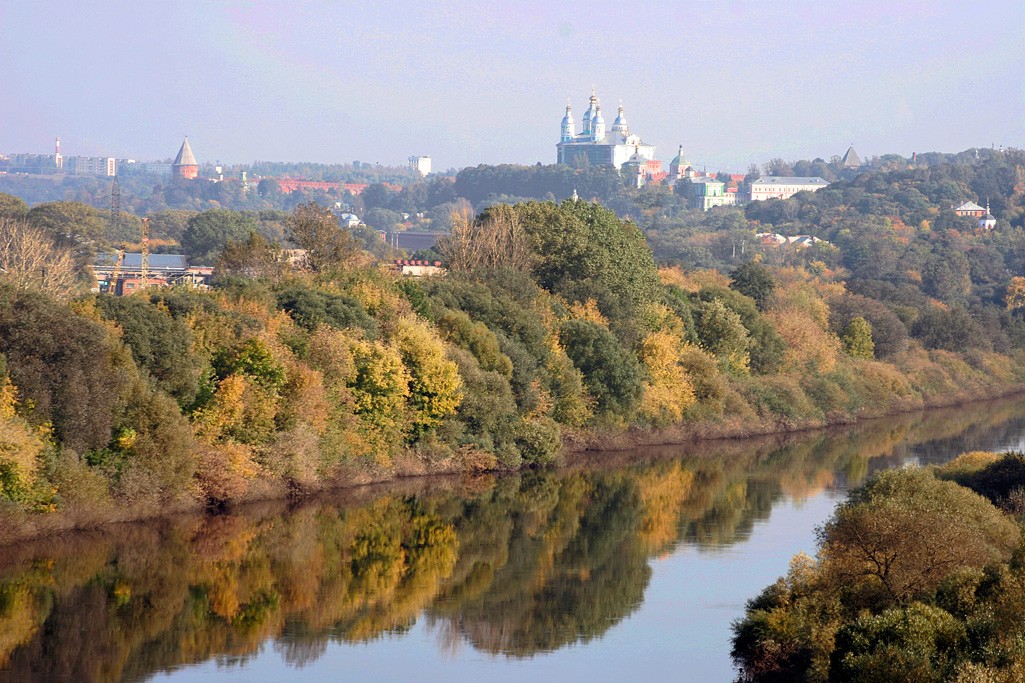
x=412, y=472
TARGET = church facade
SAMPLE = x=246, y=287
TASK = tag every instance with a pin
x=595, y=145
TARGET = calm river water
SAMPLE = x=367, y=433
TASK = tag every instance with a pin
x=628, y=568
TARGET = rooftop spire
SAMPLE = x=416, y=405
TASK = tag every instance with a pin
x=185, y=156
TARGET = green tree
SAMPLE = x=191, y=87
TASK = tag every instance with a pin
x=611, y=373
x=159, y=343
x=722, y=333
x=753, y=279
x=169, y=224
x=209, y=232
x=11, y=206
x=584, y=242
x=72, y=225
x=382, y=219
x=857, y=339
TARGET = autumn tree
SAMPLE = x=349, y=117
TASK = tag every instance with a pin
x=434, y=384
x=1015, y=296
x=315, y=229
x=253, y=257
x=496, y=238
x=901, y=533
x=29, y=259
x=668, y=392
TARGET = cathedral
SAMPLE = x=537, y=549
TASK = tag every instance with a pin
x=594, y=146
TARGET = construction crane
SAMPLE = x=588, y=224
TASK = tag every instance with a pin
x=116, y=272
x=145, y=252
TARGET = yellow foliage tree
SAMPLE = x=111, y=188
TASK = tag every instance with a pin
x=809, y=346
x=1015, y=297
x=434, y=382
x=379, y=385
x=668, y=392
x=20, y=447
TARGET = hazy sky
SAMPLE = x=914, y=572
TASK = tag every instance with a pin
x=735, y=82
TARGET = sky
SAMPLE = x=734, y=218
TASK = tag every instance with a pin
x=734, y=81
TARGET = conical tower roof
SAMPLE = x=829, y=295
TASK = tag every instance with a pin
x=185, y=156
x=851, y=158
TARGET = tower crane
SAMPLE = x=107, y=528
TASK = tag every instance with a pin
x=116, y=272
x=145, y=252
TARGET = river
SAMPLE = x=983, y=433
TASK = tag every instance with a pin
x=620, y=566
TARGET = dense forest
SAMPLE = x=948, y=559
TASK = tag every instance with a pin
x=554, y=326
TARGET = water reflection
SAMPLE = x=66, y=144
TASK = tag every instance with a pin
x=515, y=566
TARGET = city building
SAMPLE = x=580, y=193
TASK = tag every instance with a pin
x=101, y=166
x=349, y=220
x=419, y=268
x=593, y=145
x=185, y=165
x=971, y=210
x=129, y=167
x=784, y=187
x=42, y=164
x=704, y=192
x=638, y=171
x=420, y=164
x=796, y=241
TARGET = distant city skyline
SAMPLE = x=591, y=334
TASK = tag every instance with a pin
x=735, y=82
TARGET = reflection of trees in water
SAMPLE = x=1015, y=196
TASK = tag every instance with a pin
x=525, y=564
x=571, y=572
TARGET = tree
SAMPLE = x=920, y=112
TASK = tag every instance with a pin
x=11, y=206
x=268, y=188
x=160, y=344
x=722, y=333
x=435, y=389
x=580, y=242
x=254, y=257
x=857, y=339
x=611, y=373
x=1015, y=297
x=901, y=533
x=72, y=225
x=66, y=365
x=315, y=229
x=209, y=232
x=30, y=260
x=495, y=239
x=753, y=279
x=170, y=224
x=382, y=219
